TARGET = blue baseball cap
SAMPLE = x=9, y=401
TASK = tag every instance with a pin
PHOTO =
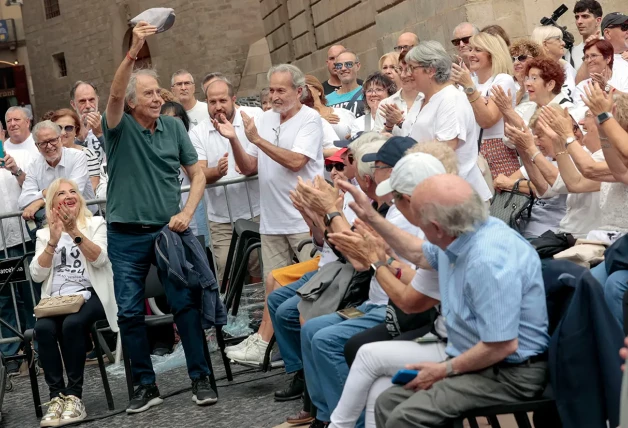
x=345, y=143
x=392, y=150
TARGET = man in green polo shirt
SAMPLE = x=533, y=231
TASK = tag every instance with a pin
x=144, y=154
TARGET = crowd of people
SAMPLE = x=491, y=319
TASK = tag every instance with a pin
x=391, y=178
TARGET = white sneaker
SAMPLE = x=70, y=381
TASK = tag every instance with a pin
x=53, y=414
x=73, y=410
x=253, y=353
x=242, y=344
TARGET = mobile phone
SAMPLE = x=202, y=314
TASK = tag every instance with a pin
x=404, y=376
x=428, y=338
x=1, y=153
x=350, y=313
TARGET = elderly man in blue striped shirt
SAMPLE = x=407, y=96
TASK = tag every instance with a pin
x=493, y=300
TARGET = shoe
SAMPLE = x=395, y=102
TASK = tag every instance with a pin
x=294, y=390
x=318, y=424
x=252, y=353
x=300, y=418
x=73, y=410
x=242, y=344
x=144, y=397
x=160, y=352
x=53, y=415
x=13, y=368
x=203, y=393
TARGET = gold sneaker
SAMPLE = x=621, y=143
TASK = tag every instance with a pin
x=73, y=410
x=53, y=415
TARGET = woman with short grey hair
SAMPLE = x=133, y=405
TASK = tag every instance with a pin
x=445, y=114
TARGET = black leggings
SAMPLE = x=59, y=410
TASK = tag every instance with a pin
x=71, y=334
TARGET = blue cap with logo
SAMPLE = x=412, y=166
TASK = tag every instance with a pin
x=392, y=150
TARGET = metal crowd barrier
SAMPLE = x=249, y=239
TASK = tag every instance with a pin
x=6, y=275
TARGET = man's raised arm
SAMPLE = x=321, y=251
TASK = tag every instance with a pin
x=115, y=104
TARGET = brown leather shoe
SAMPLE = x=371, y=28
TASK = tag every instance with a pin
x=300, y=418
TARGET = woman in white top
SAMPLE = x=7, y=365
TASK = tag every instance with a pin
x=550, y=39
x=444, y=112
x=340, y=119
x=376, y=87
x=389, y=65
x=70, y=258
x=599, y=58
x=522, y=52
x=490, y=60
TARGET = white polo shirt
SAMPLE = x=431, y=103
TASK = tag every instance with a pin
x=211, y=146
x=302, y=133
x=9, y=194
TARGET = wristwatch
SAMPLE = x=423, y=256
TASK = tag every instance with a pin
x=569, y=140
x=376, y=265
x=603, y=117
x=329, y=217
x=469, y=90
x=78, y=240
x=607, y=88
x=18, y=172
x=450, y=368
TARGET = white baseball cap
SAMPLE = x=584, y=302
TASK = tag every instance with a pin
x=160, y=17
x=409, y=172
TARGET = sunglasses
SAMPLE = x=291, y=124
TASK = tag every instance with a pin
x=68, y=128
x=519, y=58
x=464, y=40
x=338, y=165
x=348, y=64
x=623, y=27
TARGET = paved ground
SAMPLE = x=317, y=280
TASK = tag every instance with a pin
x=246, y=402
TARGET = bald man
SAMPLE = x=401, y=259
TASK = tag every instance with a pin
x=406, y=41
x=333, y=83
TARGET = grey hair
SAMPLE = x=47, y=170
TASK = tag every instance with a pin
x=441, y=151
x=476, y=29
x=369, y=142
x=298, y=78
x=351, y=52
x=45, y=124
x=457, y=219
x=131, y=89
x=24, y=110
x=180, y=72
x=79, y=83
x=214, y=75
x=264, y=93
x=431, y=54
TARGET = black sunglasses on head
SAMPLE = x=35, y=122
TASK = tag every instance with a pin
x=465, y=40
x=624, y=26
x=338, y=165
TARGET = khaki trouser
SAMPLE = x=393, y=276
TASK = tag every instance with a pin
x=221, y=234
x=278, y=250
x=450, y=397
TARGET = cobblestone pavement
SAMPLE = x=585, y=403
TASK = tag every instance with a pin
x=246, y=402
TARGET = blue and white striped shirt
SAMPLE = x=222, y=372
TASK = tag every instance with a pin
x=492, y=290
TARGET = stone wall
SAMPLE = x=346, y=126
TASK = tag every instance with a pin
x=208, y=35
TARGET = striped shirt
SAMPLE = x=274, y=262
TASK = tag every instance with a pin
x=492, y=290
x=93, y=162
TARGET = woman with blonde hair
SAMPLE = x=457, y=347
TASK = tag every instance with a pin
x=389, y=65
x=340, y=119
x=70, y=258
x=550, y=39
x=490, y=60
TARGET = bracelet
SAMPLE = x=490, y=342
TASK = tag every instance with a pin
x=475, y=99
x=52, y=246
x=538, y=152
x=564, y=152
x=388, y=128
x=398, y=273
x=48, y=252
x=390, y=260
x=128, y=55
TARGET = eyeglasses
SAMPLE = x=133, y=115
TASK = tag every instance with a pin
x=68, y=128
x=182, y=84
x=375, y=91
x=519, y=58
x=464, y=40
x=338, y=165
x=348, y=64
x=586, y=58
x=52, y=142
x=381, y=167
x=411, y=68
x=623, y=27
x=402, y=48
x=532, y=78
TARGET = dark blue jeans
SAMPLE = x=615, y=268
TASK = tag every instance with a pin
x=131, y=255
x=24, y=299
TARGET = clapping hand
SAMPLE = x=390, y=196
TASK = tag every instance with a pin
x=391, y=113
x=250, y=129
x=319, y=196
x=223, y=165
x=224, y=127
x=560, y=124
x=461, y=75
x=523, y=139
x=353, y=246
x=597, y=100
x=56, y=228
x=502, y=100
x=557, y=141
x=93, y=121
x=68, y=219
x=361, y=204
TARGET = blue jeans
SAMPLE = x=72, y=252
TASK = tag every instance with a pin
x=131, y=255
x=323, y=342
x=614, y=287
x=24, y=300
x=282, y=306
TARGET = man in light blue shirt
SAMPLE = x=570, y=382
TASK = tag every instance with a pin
x=493, y=301
x=349, y=96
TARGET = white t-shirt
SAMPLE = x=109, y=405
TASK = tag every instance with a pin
x=426, y=282
x=329, y=135
x=254, y=112
x=377, y=295
x=449, y=115
x=614, y=207
x=198, y=113
x=619, y=81
x=363, y=123
x=507, y=83
x=211, y=146
x=577, y=52
x=70, y=274
x=398, y=100
x=302, y=133
x=569, y=87
x=28, y=144
x=343, y=128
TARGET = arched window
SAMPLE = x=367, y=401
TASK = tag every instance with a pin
x=143, y=57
